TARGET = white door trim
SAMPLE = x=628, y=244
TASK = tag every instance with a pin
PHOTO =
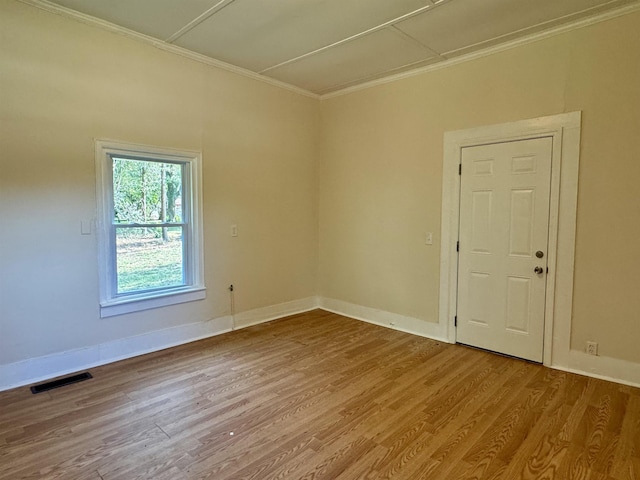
x=564, y=129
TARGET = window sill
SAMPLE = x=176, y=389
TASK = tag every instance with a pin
x=122, y=306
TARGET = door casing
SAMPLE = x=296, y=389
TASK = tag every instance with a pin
x=564, y=129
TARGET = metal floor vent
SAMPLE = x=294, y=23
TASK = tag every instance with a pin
x=61, y=382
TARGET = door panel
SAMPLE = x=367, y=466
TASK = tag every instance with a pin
x=521, y=222
x=481, y=218
x=504, y=221
x=518, y=304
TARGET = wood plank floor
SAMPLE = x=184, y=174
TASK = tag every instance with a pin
x=320, y=396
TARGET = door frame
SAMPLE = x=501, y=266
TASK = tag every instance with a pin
x=564, y=130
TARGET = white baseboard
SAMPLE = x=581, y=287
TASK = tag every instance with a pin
x=411, y=325
x=37, y=369
x=604, y=368
x=43, y=368
x=273, y=312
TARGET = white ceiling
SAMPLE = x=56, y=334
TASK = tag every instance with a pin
x=325, y=45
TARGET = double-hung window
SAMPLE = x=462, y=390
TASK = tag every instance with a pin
x=149, y=227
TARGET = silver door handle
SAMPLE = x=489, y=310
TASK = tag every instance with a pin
x=538, y=270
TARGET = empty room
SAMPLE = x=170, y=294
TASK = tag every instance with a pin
x=319, y=239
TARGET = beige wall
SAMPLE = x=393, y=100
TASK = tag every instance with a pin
x=358, y=215
x=381, y=175
x=62, y=84
x=604, y=81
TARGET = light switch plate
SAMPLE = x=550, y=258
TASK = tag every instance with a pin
x=428, y=238
x=85, y=227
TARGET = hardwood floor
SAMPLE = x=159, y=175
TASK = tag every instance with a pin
x=320, y=396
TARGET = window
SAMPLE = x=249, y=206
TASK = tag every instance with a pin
x=149, y=227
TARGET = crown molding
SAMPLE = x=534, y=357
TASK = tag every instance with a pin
x=162, y=45
x=103, y=24
x=584, y=22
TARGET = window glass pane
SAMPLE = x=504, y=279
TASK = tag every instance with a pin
x=149, y=258
x=146, y=191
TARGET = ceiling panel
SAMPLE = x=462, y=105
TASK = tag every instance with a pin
x=156, y=18
x=380, y=74
x=257, y=34
x=362, y=58
x=460, y=24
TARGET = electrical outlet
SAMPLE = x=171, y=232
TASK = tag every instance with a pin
x=592, y=348
x=428, y=239
x=234, y=230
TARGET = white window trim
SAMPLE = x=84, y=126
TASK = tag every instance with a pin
x=110, y=303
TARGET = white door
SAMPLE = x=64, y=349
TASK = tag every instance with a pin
x=504, y=230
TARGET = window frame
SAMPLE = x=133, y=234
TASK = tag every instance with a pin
x=112, y=303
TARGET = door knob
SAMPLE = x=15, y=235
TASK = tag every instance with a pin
x=539, y=254
x=538, y=270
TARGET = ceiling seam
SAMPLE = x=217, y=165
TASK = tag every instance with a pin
x=199, y=19
x=417, y=42
x=352, y=37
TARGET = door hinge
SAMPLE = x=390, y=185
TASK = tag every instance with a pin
x=458, y=246
x=455, y=321
x=459, y=169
